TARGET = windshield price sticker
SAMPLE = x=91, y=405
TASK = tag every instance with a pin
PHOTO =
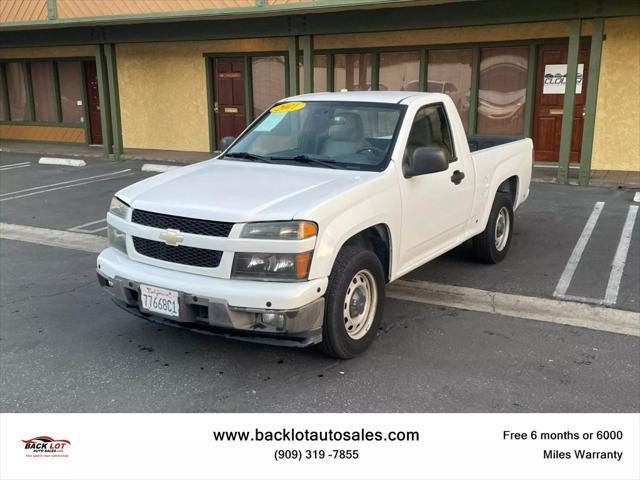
x=603, y=445
x=288, y=107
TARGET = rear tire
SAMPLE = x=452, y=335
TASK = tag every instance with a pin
x=492, y=245
x=354, y=303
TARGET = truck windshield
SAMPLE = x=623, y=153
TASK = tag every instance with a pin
x=348, y=135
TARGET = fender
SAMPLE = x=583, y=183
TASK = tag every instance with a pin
x=339, y=224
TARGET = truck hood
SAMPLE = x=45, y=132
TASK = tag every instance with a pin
x=238, y=192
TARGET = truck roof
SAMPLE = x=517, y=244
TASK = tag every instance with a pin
x=364, y=96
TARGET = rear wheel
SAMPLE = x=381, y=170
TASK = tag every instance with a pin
x=492, y=245
x=353, y=303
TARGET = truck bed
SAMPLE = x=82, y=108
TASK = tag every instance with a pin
x=480, y=142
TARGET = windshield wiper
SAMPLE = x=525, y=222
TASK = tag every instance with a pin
x=325, y=162
x=248, y=156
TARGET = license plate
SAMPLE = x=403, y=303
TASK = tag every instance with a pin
x=160, y=300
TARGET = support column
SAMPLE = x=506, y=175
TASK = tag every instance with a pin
x=424, y=72
x=307, y=48
x=474, y=91
x=52, y=10
x=530, y=95
x=103, y=92
x=114, y=98
x=591, y=100
x=569, y=102
x=248, y=89
x=293, y=66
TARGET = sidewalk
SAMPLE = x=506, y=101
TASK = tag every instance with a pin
x=542, y=173
x=90, y=151
x=548, y=173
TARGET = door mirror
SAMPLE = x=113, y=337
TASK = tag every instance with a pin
x=425, y=160
x=226, y=142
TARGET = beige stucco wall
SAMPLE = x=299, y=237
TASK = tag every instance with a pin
x=163, y=91
x=44, y=52
x=617, y=134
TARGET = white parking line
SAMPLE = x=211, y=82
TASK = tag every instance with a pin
x=14, y=165
x=13, y=168
x=620, y=259
x=578, y=250
x=82, y=229
x=65, y=186
x=68, y=184
x=517, y=306
x=63, y=183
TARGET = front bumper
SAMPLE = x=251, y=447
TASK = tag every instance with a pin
x=281, y=313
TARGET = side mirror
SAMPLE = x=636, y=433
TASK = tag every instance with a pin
x=426, y=160
x=226, y=142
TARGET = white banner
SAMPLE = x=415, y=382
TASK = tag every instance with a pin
x=315, y=446
x=555, y=78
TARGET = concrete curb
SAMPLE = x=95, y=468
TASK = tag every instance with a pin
x=156, y=167
x=68, y=162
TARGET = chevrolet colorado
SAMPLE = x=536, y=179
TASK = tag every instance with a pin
x=291, y=233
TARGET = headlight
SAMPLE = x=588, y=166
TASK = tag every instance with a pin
x=117, y=239
x=296, y=230
x=119, y=208
x=271, y=266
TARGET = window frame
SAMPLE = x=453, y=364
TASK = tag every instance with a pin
x=447, y=123
x=31, y=120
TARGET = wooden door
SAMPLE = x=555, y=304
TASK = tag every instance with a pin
x=93, y=102
x=548, y=109
x=229, y=106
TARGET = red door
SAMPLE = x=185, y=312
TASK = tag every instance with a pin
x=549, y=101
x=93, y=100
x=229, y=107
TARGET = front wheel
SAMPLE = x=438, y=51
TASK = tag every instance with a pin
x=492, y=244
x=353, y=303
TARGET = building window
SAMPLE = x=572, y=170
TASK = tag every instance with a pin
x=268, y=79
x=17, y=90
x=54, y=95
x=44, y=102
x=70, y=78
x=449, y=71
x=503, y=89
x=352, y=71
x=400, y=71
x=319, y=73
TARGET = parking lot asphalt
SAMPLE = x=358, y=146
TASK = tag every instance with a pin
x=65, y=347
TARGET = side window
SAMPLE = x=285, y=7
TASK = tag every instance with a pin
x=430, y=128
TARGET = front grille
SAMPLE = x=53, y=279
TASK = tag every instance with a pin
x=184, y=224
x=197, y=257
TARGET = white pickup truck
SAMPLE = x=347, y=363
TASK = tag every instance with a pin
x=290, y=234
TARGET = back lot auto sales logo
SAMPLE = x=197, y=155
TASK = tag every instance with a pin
x=46, y=447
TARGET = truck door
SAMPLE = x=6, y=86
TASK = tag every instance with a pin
x=435, y=206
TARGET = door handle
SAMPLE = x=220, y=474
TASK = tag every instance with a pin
x=215, y=107
x=457, y=177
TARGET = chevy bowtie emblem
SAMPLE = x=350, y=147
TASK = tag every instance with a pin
x=171, y=237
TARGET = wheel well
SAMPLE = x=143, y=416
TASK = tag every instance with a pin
x=376, y=239
x=510, y=187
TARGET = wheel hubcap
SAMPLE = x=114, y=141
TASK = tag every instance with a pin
x=360, y=303
x=502, y=229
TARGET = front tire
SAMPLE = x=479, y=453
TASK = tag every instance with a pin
x=353, y=304
x=492, y=245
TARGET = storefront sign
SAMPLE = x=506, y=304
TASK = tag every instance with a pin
x=555, y=78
